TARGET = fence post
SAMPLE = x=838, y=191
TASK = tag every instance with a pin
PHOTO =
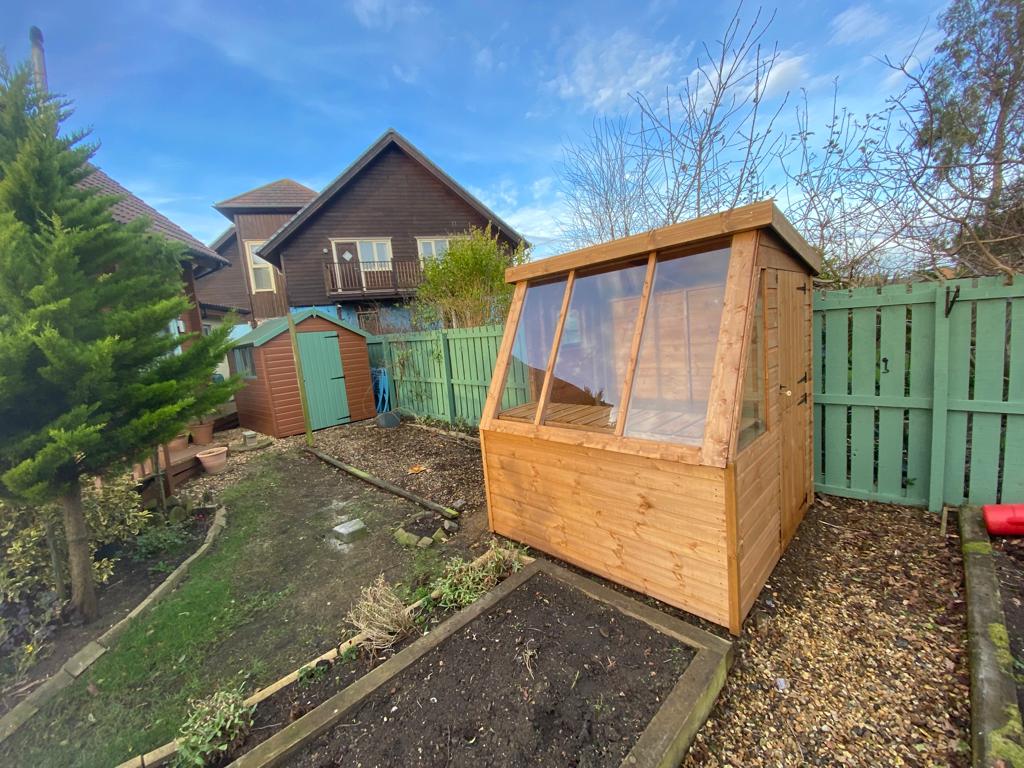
x=940, y=397
x=389, y=363
x=449, y=385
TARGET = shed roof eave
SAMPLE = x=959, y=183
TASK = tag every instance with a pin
x=758, y=215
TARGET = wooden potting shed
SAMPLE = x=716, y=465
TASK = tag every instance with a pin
x=649, y=418
x=335, y=366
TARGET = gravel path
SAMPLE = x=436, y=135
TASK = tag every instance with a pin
x=855, y=653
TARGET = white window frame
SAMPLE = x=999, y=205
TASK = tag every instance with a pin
x=433, y=244
x=364, y=267
x=250, y=254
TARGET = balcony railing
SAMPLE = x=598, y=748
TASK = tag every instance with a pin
x=354, y=278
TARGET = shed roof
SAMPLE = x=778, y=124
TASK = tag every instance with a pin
x=761, y=215
x=130, y=207
x=281, y=194
x=271, y=329
x=391, y=137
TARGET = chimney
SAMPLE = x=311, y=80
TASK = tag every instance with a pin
x=35, y=35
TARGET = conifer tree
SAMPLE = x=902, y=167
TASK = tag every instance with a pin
x=90, y=377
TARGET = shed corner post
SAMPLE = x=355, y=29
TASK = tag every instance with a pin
x=449, y=385
x=300, y=377
x=940, y=397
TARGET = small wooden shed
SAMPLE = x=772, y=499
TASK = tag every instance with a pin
x=335, y=366
x=649, y=418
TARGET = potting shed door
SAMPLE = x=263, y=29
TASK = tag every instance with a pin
x=794, y=395
x=324, y=379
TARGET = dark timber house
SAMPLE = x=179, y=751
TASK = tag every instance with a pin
x=249, y=282
x=357, y=247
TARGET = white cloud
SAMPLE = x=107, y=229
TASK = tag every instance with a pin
x=604, y=70
x=384, y=14
x=484, y=59
x=407, y=75
x=787, y=73
x=856, y=24
x=536, y=217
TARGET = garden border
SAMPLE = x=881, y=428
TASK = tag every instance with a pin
x=162, y=754
x=73, y=668
x=663, y=742
x=997, y=736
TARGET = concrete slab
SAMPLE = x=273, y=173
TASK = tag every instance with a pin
x=14, y=719
x=57, y=682
x=350, y=530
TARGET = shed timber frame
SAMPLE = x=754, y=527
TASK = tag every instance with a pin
x=690, y=498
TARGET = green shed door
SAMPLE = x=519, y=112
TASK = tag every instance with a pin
x=324, y=379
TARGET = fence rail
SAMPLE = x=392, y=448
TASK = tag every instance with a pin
x=919, y=388
x=919, y=392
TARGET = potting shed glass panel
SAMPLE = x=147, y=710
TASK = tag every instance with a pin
x=752, y=406
x=672, y=381
x=593, y=351
x=531, y=349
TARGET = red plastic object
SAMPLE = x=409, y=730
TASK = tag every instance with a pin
x=1004, y=519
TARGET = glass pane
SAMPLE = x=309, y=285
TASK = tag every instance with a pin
x=426, y=248
x=261, y=278
x=672, y=382
x=590, y=368
x=252, y=245
x=752, y=410
x=441, y=246
x=530, y=350
x=383, y=255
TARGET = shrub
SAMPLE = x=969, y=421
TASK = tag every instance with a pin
x=381, y=615
x=159, y=539
x=214, y=726
x=464, y=582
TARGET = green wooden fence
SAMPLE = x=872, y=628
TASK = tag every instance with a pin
x=444, y=374
x=912, y=383
x=919, y=392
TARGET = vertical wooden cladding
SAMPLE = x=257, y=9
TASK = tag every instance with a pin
x=229, y=285
x=260, y=226
x=270, y=403
x=655, y=526
x=393, y=196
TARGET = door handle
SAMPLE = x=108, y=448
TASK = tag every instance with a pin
x=785, y=390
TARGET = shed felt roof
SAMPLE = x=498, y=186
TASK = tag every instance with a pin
x=280, y=194
x=271, y=329
x=130, y=207
x=269, y=250
x=760, y=215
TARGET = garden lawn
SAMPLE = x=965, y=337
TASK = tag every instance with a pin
x=270, y=595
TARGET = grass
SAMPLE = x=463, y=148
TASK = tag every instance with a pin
x=136, y=696
x=252, y=609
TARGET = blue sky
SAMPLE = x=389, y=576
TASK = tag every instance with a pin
x=196, y=102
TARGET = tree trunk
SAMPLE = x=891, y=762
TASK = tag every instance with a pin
x=59, y=582
x=76, y=531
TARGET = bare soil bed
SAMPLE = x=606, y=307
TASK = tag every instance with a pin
x=549, y=676
x=440, y=468
x=1009, y=562
x=133, y=579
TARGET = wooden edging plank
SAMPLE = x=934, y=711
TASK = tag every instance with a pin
x=92, y=651
x=384, y=485
x=662, y=743
x=997, y=735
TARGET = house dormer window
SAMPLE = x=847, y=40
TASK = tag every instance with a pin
x=262, y=271
x=431, y=247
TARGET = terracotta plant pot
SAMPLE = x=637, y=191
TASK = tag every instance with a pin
x=214, y=460
x=179, y=443
x=202, y=432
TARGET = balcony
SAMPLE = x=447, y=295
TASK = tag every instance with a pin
x=354, y=279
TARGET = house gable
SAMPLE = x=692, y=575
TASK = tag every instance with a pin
x=227, y=286
x=392, y=196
